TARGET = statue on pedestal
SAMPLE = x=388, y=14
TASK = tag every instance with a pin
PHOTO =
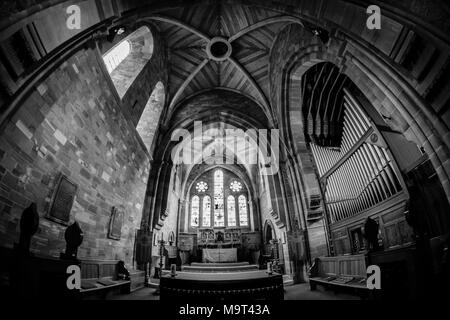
x=29, y=223
x=74, y=238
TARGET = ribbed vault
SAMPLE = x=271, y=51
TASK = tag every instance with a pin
x=245, y=35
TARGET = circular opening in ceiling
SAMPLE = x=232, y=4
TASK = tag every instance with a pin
x=218, y=49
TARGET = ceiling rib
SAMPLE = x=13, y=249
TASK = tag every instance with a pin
x=264, y=23
x=252, y=82
x=186, y=82
x=181, y=25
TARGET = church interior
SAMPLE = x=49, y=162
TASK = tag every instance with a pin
x=225, y=149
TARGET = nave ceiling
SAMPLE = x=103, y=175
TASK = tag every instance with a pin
x=219, y=46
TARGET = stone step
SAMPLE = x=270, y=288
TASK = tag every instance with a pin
x=137, y=278
x=218, y=264
x=153, y=283
x=207, y=268
x=287, y=280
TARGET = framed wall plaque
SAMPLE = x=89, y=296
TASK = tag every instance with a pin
x=62, y=200
x=115, y=225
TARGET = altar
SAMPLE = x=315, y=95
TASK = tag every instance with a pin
x=219, y=254
x=219, y=244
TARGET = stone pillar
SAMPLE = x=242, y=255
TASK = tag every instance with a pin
x=181, y=217
x=161, y=195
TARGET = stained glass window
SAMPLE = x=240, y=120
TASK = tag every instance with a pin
x=231, y=211
x=243, y=218
x=116, y=55
x=219, y=218
x=235, y=186
x=206, y=211
x=195, y=211
x=201, y=186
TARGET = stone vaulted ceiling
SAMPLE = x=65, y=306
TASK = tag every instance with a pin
x=219, y=46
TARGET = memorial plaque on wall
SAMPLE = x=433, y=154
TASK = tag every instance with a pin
x=115, y=225
x=62, y=200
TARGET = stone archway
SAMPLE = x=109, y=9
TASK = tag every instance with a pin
x=398, y=104
x=269, y=232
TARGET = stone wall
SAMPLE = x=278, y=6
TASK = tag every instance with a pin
x=72, y=123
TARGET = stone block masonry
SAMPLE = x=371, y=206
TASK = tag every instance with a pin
x=71, y=123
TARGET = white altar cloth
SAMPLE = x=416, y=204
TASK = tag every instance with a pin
x=219, y=255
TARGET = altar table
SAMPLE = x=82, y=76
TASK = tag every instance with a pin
x=219, y=255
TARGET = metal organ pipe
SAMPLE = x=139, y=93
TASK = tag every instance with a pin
x=364, y=177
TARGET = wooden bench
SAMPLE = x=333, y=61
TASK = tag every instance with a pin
x=99, y=279
x=340, y=272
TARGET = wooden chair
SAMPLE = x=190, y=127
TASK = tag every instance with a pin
x=340, y=272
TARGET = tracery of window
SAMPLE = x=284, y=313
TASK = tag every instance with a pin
x=206, y=214
x=231, y=211
x=219, y=218
x=116, y=55
x=195, y=211
x=201, y=186
x=235, y=186
x=243, y=218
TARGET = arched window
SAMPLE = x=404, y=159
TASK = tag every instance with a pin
x=215, y=201
x=171, y=238
x=195, y=211
x=231, y=211
x=243, y=217
x=116, y=55
x=126, y=59
x=206, y=220
x=219, y=218
x=148, y=123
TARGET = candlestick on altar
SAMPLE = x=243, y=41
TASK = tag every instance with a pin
x=161, y=256
x=269, y=267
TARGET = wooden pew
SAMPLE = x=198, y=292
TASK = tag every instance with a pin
x=341, y=272
x=99, y=279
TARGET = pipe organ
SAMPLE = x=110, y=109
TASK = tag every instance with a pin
x=360, y=173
